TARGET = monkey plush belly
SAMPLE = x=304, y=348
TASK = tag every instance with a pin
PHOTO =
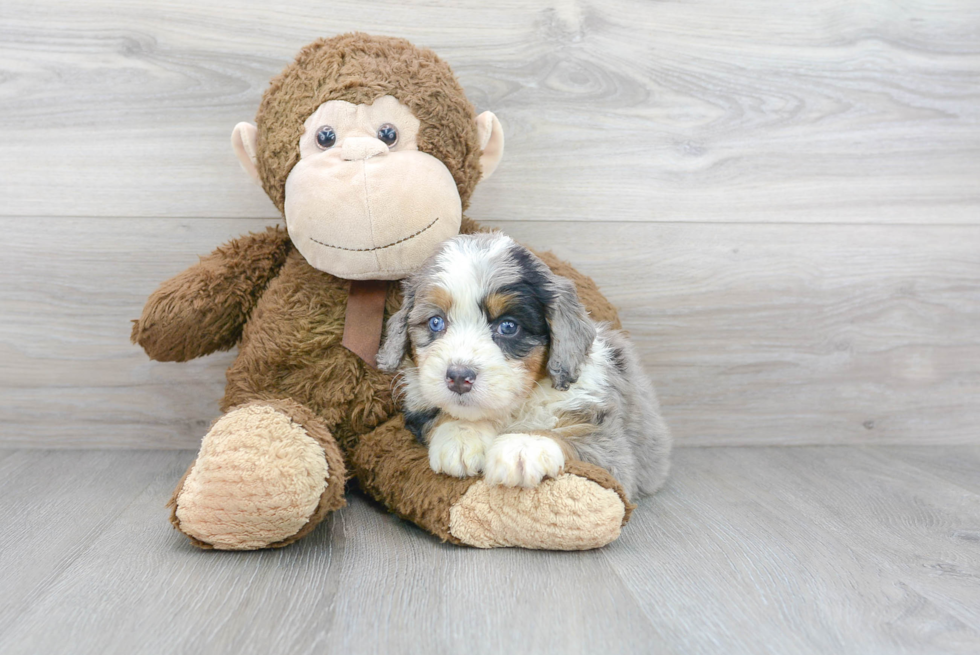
x=291, y=348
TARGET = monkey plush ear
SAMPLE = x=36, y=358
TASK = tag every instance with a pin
x=243, y=142
x=491, y=142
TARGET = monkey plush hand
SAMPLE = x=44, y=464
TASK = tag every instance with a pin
x=370, y=149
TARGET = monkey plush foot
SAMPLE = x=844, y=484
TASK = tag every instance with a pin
x=584, y=507
x=267, y=473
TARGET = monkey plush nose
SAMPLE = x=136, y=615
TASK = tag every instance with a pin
x=460, y=379
x=356, y=148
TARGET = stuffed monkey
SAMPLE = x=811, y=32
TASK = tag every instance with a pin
x=370, y=149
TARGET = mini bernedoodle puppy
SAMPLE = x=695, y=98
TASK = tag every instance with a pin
x=503, y=373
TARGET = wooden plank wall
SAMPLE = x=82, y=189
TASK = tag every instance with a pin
x=783, y=198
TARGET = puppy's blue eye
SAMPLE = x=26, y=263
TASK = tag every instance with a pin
x=507, y=328
x=437, y=324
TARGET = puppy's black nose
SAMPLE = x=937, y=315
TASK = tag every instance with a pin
x=460, y=379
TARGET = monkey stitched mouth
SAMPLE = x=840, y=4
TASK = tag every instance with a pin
x=393, y=243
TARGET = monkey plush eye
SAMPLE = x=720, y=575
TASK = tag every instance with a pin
x=507, y=328
x=325, y=137
x=388, y=134
x=437, y=324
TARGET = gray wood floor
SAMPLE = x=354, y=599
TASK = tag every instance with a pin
x=830, y=549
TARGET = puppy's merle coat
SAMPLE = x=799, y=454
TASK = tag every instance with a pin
x=504, y=373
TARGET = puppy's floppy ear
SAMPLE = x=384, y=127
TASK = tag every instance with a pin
x=395, y=345
x=572, y=332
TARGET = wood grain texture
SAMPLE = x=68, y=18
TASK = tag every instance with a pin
x=754, y=334
x=55, y=508
x=766, y=550
x=827, y=111
x=832, y=550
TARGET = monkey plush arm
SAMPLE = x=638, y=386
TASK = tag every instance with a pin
x=583, y=508
x=203, y=309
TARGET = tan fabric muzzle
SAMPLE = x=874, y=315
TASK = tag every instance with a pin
x=361, y=212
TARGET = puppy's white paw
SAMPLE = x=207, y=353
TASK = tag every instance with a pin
x=522, y=460
x=459, y=448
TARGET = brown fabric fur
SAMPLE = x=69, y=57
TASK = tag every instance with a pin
x=393, y=467
x=292, y=349
x=360, y=68
x=204, y=309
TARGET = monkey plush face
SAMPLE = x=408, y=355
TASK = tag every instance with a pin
x=371, y=150
x=363, y=199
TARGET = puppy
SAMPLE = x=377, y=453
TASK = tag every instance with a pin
x=503, y=373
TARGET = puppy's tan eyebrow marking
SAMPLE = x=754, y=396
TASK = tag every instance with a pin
x=497, y=303
x=439, y=297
